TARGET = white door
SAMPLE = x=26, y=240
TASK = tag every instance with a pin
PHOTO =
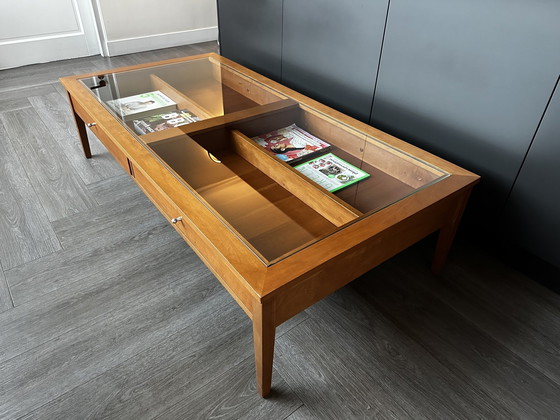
x=37, y=31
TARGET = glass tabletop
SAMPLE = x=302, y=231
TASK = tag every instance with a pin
x=278, y=173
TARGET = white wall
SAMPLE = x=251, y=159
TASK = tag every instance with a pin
x=128, y=26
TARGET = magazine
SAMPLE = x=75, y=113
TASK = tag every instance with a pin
x=142, y=105
x=292, y=144
x=161, y=122
x=331, y=172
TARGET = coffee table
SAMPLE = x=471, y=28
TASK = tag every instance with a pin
x=275, y=239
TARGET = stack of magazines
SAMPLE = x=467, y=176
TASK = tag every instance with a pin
x=292, y=144
x=151, y=112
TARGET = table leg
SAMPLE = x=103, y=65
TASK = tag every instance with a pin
x=447, y=233
x=264, y=333
x=82, y=132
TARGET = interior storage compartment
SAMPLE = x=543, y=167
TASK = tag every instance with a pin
x=271, y=220
x=274, y=208
x=183, y=101
x=210, y=90
x=269, y=204
x=393, y=174
x=207, y=88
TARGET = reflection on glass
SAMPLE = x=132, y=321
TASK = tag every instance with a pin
x=269, y=206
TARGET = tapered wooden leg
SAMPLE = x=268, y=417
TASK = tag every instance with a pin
x=82, y=132
x=264, y=332
x=447, y=233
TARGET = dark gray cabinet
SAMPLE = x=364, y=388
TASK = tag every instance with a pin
x=469, y=80
x=251, y=34
x=330, y=51
x=532, y=215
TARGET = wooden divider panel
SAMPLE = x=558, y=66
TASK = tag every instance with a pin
x=316, y=197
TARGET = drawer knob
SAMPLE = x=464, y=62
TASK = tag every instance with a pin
x=176, y=219
x=91, y=124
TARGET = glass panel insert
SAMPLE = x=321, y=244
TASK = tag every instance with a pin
x=204, y=136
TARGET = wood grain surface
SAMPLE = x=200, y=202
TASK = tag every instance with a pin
x=53, y=112
x=60, y=191
x=116, y=317
x=11, y=100
x=24, y=226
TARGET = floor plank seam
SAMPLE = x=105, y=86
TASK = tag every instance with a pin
x=445, y=361
x=289, y=415
x=8, y=90
x=63, y=162
x=550, y=304
x=92, y=322
x=93, y=251
x=69, y=134
x=249, y=359
x=202, y=386
x=146, y=350
x=446, y=284
x=465, y=295
x=16, y=156
x=100, y=374
x=6, y=287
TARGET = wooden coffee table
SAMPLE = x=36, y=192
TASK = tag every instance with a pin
x=277, y=241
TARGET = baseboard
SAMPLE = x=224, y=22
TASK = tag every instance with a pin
x=154, y=42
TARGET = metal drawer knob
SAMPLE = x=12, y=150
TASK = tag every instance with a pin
x=176, y=219
x=91, y=124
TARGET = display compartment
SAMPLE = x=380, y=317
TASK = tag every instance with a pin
x=393, y=174
x=268, y=218
x=273, y=208
x=202, y=86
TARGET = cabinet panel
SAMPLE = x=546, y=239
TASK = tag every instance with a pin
x=251, y=34
x=331, y=51
x=469, y=80
x=533, y=209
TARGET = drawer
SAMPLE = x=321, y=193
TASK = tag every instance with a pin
x=117, y=153
x=199, y=243
x=166, y=207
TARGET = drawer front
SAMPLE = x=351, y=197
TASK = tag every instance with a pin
x=199, y=244
x=102, y=136
x=169, y=210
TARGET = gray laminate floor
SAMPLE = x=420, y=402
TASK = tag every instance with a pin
x=106, y=313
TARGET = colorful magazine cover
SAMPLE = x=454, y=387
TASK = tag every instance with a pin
x=331, y=172
x=161, y=122
x=292, y=143
x=142, y=105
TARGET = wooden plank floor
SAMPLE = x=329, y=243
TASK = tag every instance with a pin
x=106, y=313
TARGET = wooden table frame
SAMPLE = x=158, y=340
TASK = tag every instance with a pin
x=271, y=294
